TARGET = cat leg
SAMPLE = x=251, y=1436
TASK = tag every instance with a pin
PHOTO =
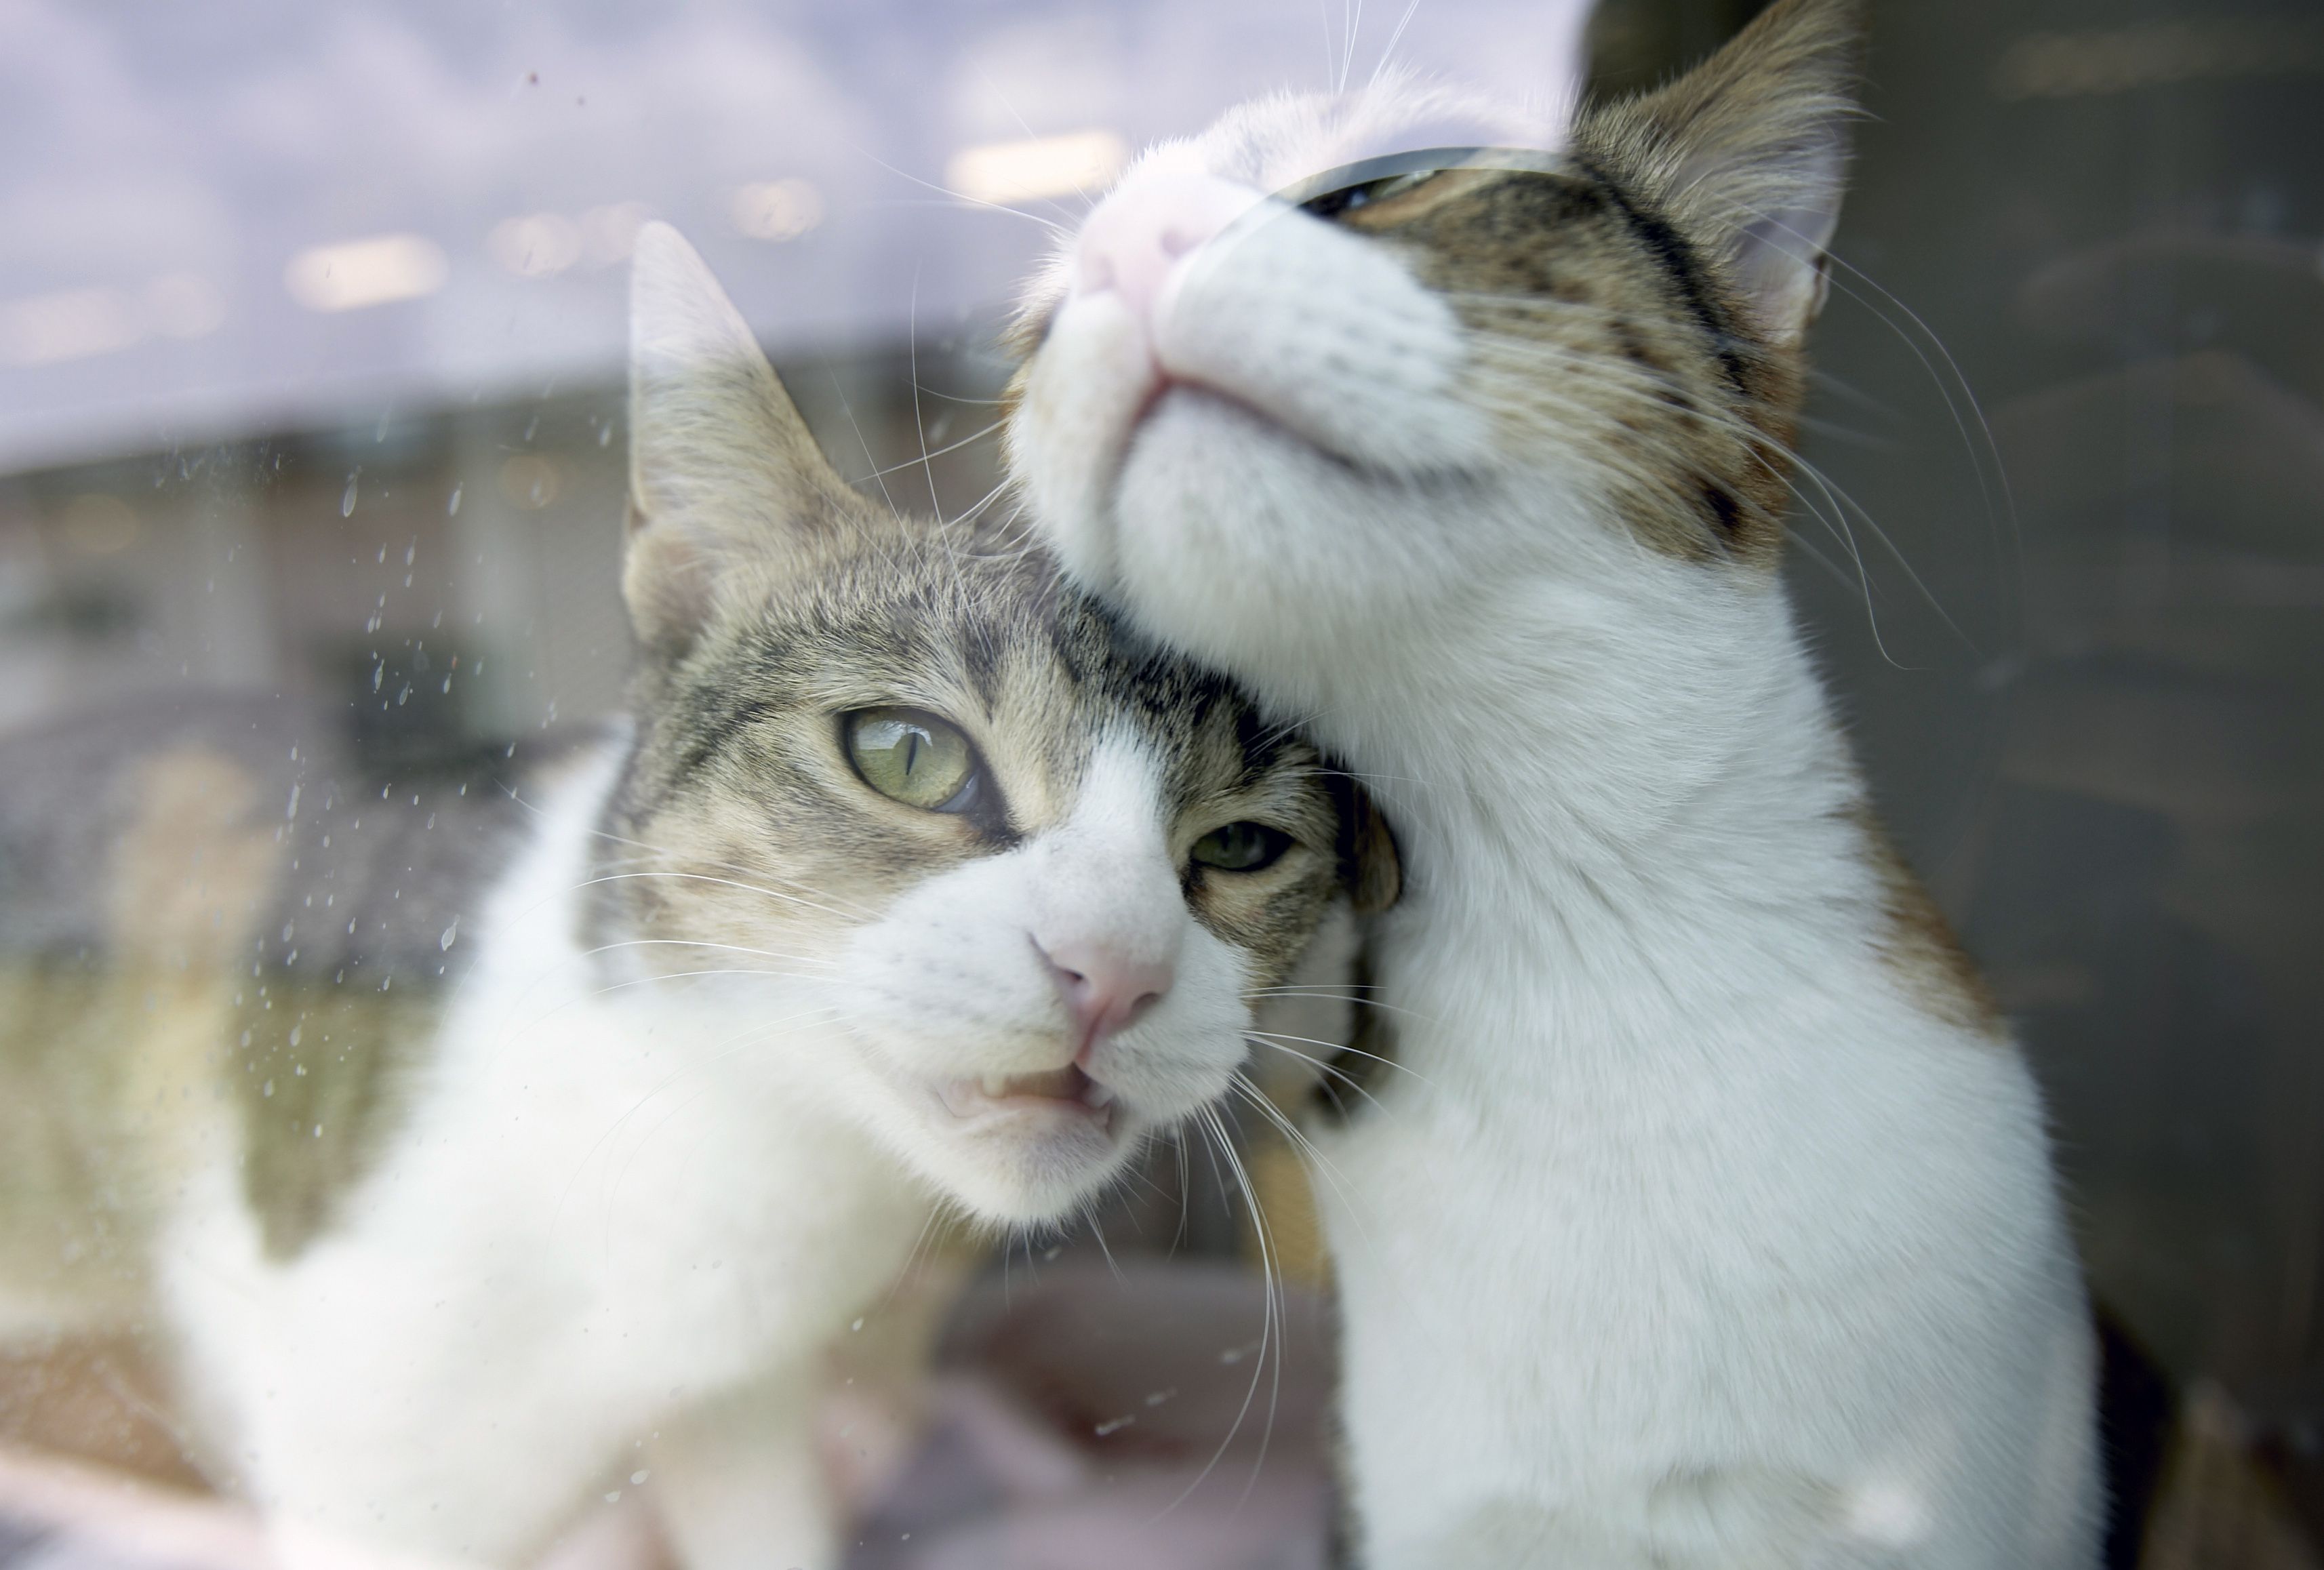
x=742, y=1483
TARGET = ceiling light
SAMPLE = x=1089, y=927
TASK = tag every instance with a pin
x=776, y=209
x=361, y=273
x=535, y=245
x=1045, y=166
x=68, y=324
x=608, y=233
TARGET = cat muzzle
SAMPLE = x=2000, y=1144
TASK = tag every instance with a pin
x=1066, y=1090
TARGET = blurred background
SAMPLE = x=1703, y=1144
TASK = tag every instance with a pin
x=311, y=323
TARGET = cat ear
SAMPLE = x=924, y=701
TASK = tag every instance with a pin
x=728, y=491
x=1750, y=153
x=1369, y=867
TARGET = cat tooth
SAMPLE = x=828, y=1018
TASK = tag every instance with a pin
x=995, y=1085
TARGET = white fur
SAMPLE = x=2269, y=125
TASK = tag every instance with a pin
x=1685, y=1233
x=620, y=1222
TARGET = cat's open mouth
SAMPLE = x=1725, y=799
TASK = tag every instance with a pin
x=1066, y=1090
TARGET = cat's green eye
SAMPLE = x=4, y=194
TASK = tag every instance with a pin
x=913, y=757
x=1332, y=204
x=1241, y=847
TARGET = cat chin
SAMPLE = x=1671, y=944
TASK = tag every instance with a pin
x=1015, y=1162
x=1220, y=516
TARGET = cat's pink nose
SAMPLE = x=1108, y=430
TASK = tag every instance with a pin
x=1151, y=223
x=1104, y=990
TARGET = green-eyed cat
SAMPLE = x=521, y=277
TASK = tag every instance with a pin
x=452, y=1138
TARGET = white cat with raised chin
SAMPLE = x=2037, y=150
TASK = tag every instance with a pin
x=1706, y=1216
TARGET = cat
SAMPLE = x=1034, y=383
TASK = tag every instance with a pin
x=1705, y=1216
x=478, y=1140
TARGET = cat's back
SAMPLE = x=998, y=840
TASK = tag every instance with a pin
x=207, y=906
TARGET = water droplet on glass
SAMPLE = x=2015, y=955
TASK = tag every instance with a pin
x=451, y=934
x=452, y=508
x=347, y=497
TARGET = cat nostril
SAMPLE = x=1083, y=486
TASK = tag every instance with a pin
x=1102, y=991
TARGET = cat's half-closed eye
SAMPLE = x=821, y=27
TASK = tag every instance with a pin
x=1241, y=847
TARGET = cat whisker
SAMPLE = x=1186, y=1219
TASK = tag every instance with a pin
x=958, y=199
x=1087, y=1211
x=671, y=975
x=1243, y=1086
x=704, y=943
x=928, y=467
x=1328, y=1070
x=877, y=476
x=652, y=853
x=1646, y=388
x=1325, y=994
x=729, y=883
x=1395, y=38
x=1276, y=1037
x=1210, y=1122
x=1991, y=450
x=976, y=508
x=1982, y=450
x=951, y=446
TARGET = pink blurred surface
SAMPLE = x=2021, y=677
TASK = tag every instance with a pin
x=1156, y=1417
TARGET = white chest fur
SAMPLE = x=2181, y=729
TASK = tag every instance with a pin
x=591, y=1222
x=1684, y=1233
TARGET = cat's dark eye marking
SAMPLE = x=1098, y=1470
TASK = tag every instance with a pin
x=1332, y=204
x=1241, y=847
x=1726, y=512
x=1679, y=261
x=913, y=757
x=1336, y=192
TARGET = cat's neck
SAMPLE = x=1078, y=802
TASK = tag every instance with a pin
x=1621, y=797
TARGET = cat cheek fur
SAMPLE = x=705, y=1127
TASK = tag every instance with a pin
x=954, y=982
